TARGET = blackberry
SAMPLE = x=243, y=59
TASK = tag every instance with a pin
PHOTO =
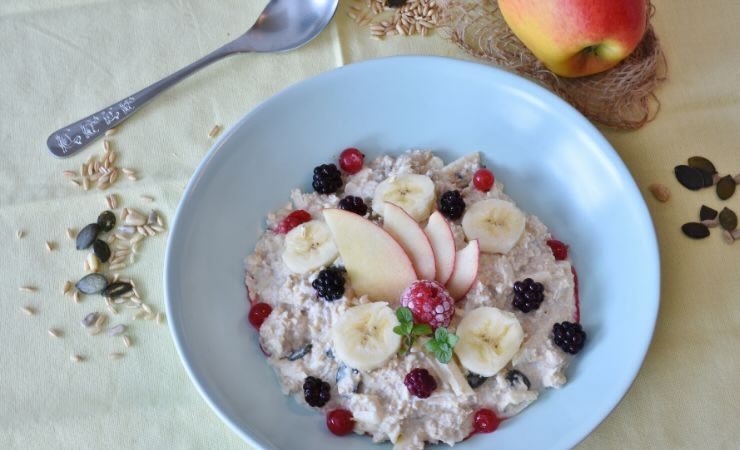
x=528, y=295
x=353, y=204
x=452, y=205
x=329, y=284
x=569, y=336
x=326, y=179
x=420, y=383
x=316, y=391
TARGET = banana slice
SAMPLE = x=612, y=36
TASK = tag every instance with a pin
x=497, y=224
x=309, y=246
x=363, y=336
x=414, y=193
x=489, y=338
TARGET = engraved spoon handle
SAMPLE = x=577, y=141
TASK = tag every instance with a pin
x=74, y=137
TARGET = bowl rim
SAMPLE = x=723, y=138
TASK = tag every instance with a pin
x=517, y=81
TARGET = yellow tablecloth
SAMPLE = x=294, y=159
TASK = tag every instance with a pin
x=62, y=59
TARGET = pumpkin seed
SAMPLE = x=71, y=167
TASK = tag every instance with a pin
x=117, y=289
x=708, y=178
x=300, y=353
x=89, y=319
x=707, y=213
x=106, y=220
x=689, y=177
x=728, y=219
x=101, y=250
x=87, y=236
x=475, y=380
x=92, y=284
x=695, y=230
x=515, y=377
x=703, y=164
x=726, y=187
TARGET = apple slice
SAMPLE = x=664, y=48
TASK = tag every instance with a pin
x=443, y=244
x=404, y=229
x=466, y=271
x=377, y=265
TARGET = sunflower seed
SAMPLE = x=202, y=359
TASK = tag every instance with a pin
x=93, y=262
x=28, y=289
x=146, y=308
x=728, y=237
x=55, y=333
x=726, y=187
x=77, y=358
x=87, y=236
x=128, y=171
x=728, y=219
x=49, y=246
x=27, y=310
x=106, y=221
x=93, y=283
x=115, y=356
x=126, y=230
x=75, y=182
x=689, y=177
x=126, y=341
x=133, y=177
x=160, y=222
x=19, y=234
x=152, y=218
x=695, y=230
x=701, y=163
x=117, y=330
x=101, y=320
x=707, y=213
x=214, y=131
x=101, y=250
x=86, y=266
x=90, y=319
x=117, y=289
x=135, y=219
x=118, y=266
x=76, y=297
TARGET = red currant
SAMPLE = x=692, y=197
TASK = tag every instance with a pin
x=559, y=249
x=483, y=180
x=351, y=160
x=485, y=421
x=258, y=313
x=340, y=422
x=292, y=220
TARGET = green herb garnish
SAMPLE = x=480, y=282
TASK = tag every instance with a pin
x=442, y=344
x=408, y=330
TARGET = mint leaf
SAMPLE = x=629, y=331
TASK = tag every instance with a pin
x=452, y=339
x=404, y=315
x=432, y=345
x=441, y=334
x=399, y=330
x=443, y=356
x=421, y=329
x=407, y=327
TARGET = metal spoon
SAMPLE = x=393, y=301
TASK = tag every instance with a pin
x=283, y=25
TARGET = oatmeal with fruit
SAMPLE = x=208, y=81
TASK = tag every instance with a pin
x=412, y=300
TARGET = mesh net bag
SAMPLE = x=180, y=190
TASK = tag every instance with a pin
x=622, y=97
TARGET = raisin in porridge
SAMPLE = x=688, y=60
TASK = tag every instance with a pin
x=412, y=300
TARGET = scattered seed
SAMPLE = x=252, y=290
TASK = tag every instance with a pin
x=77, y=358
x=159, y=318
x=118, y=266
x=138, y=315
x=117, y=330
x=86, y=184
x=147, y=198
x=55, y=333
x=726, y=187
x=728, y=237
x=87, y=236
x=132, y=178
x=711, y=223
x=160, y=222
x=695, y=230
x=214, y=131
x=28, y=289
x=49, y=246
x=660, y=192
x=27, y=310
x=126, y=341
x=689, y=177
x=90, y=319
x=19, y=234
x=67, y=287
x=106, y=145
x=101, y=320
x=707, y=213
x=75, y=182
x=106, y=221
x=76, y=297
x=134, y=219
x=94, y=331
x=117, y=289
x=69, y=173
x=86, y=266
x=146, y=308
x=101, y=250
x=735, y=234
x=115, y=356
x=112, y=309
x=701, y=163
x=728, y=219
x=110, y=132
x=71, y=233
x=93, y=283
x=737, y=179
x=128, y=171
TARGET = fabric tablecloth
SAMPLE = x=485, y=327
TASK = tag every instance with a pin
x=63, y=59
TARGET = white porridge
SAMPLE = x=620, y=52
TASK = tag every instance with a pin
x=497, y=357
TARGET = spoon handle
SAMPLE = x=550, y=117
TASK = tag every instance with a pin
x=74, y=137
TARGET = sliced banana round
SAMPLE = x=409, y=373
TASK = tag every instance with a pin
x=363, y=336
x=414, y=193
x=309, y=246
x=489, y=338
x=497, y=224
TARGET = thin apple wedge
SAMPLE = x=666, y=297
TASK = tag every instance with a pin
x=377, y=265
x=404, y=229
x=466, y=271
x=443, y=245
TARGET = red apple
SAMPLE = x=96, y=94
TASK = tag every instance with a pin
x=576, y=38
x=466, y=271
x=404, y=229
x=443, y=245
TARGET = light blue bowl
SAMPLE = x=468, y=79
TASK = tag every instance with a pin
x=553, y=162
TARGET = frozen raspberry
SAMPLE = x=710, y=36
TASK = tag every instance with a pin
x=429, y=302
x=340, y=422
x=559, y=249
x=483, y=180
x=292, y=220
x=351, y=160
x=258, y=313
x=420, y=383
x=485, y=421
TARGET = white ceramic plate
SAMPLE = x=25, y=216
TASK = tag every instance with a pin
x=553, y=162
